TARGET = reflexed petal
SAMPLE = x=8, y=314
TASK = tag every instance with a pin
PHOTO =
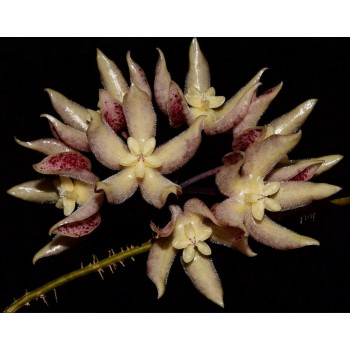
x=58, y=245
x=139, y=114
x=179, y=150
x=248, y=137
x=296, y=194
x=328, y=162
x=112, y=111
x=258, y=210
x=293, y=120
x=72, y=137
x=261, y=159
x=169, y=228
x=161, y=83
x=107, y=147
x=203, y=248
x=198, y=72
x=273, y=235
x=155, y=188
x=271, y=188
x=232, y=158
x=160, y=259
x=46, y=146
x=111, y=76
x=271, y=204
x=40, y=191
x=188, y=253
x=72, y=113
x=138, y=76
x=196, y=206
x=230, y=213
x=119, y=187
x=205, y=278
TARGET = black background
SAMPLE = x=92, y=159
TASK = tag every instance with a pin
x=312, y=279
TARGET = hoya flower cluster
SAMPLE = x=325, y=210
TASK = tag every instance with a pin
x=256, y=176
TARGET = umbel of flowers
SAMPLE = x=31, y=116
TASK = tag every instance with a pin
x=257, y=176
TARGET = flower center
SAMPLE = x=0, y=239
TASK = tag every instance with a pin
x=258, y=197
x=141, y=156
x=190, y=233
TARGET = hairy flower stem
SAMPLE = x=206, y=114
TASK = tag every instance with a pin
x=200, y=177
x=95, y=267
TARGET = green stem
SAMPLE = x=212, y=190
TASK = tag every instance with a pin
x=97, y=266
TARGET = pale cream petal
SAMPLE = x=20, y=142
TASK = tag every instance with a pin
x=40, y=191
x=139, y=114
x=203, y=275
x=155, y=188
x=133, y=146
x=261, y=159
x=271, y=204
x=72, y=113
x=251, y=197
x=46, y=146
x=160, y=259
x=328, y=162
x=271, y=188
x=198, y=73
x=203, y=233
x=231, y=213
x=194, y=100
x=273, y=235
x=107, y=147
x=82, y=191
x=216, y=101
x=258, y=210
x=181, y=242
x=188, y=253
x=179, y=150
x=140, y=169
x=293, y=120
x=153, y=161
x=129, y=160
x=295, y=194
x=203, y=248
x=111, y=76
x=68, y=206
x=196, y=206
x=149, y=147
x=119, y=187
x=257, y=184
x=226, y=178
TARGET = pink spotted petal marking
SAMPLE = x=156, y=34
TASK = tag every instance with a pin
x=248, y=137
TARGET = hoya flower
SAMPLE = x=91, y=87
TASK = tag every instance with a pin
x=199, y=97
x=296, y=170
x=188, y=233
x=72, y=189
x=140, y=162
x=251, y=194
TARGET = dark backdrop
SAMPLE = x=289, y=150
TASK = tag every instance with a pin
x=312, y=279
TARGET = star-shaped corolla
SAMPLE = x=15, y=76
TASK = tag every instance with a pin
x=188, y=233
x=72, y=189
x=140, y=162
x=251, y=194
x=199, y=97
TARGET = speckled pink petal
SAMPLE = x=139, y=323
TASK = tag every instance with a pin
x=169, y=228
x=107, y=147
x=261, y=159
x=56, y=246
x=161, y=83
x=203, y=275
x=198, y=73
x=226, y=177
x=293, y=120
x=46, y=146
x=72, y=137
x=296, y=194
x=119, y=187
x=70, y=164
x=273, y=235
x=40, y=191
x=160, y=259
x=256, y=109
x=139, y=114
x=138, y=76
x=178, y=110
x=248, y=137
x=82, y=221
x=155, y=188
x=112, y=111
x=179, y=150
x=112, y=78
x=71, y=113
x=300, y=171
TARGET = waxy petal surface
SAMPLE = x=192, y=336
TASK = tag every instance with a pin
x=107, y=147
x=273, y=235
x=72, y=137
x=155, y=188
x=179, y=150
x=139, y=114
x=46, y=146
x=71, y=113
x=205, y=278
x=111, y=76
x=40, y=191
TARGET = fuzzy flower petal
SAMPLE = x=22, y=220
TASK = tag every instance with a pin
x=46, y=146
